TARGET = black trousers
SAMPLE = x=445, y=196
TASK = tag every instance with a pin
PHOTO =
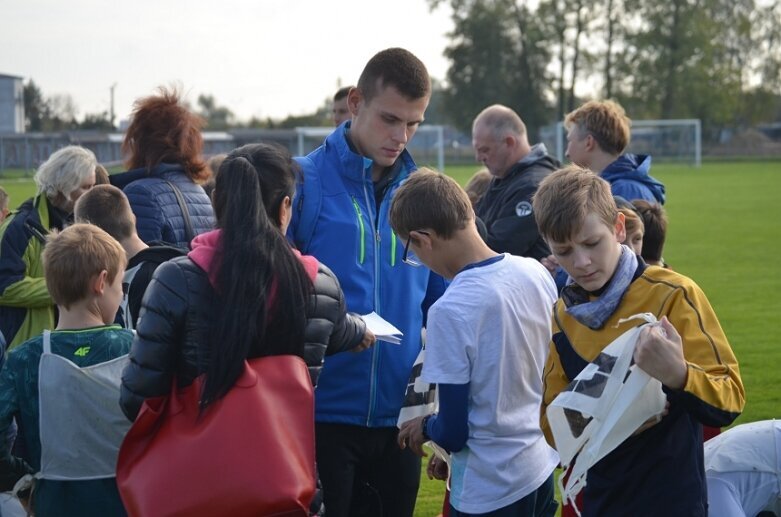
x=365, y=473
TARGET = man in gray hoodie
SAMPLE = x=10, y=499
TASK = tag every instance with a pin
x=501, y=144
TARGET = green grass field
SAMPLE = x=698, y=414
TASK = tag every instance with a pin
x=725, y=233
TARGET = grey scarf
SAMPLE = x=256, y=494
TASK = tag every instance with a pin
x=595, y=313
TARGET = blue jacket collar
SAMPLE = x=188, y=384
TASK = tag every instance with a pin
x=124, y=179
x=356, y=167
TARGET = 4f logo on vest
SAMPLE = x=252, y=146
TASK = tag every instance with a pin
x=81, y=351
x=523, y=209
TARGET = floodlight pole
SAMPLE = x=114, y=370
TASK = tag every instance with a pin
x=111, y=115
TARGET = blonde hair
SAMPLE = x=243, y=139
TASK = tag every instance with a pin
x=73, y=258
x=606, y=121
x=566, y=197
x=4, y=197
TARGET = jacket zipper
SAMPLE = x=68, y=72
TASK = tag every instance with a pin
x=377, y=309
x=362, y=252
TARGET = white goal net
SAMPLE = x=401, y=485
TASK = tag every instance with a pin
x=672, y=141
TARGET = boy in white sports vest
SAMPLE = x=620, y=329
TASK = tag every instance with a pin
x=63, y=387
x=487, y=341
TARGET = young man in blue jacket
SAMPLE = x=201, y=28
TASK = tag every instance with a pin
x=597, y=136
x=344, y=223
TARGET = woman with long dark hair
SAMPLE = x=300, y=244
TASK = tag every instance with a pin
x=163, y=153
x=242, y=292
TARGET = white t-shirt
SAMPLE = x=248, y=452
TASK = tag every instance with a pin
x=492, y=328
x=743, y=468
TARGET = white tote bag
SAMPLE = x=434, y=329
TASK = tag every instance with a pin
x=607, y=402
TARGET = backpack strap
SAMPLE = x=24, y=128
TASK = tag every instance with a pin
x=189, y=234
x=124, y=305
x=308, y=204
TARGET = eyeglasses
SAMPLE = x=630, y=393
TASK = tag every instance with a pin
x=409, y=257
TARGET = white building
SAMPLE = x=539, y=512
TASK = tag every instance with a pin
x=11, y=104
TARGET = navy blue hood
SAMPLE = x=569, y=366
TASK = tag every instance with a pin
x=629, y=178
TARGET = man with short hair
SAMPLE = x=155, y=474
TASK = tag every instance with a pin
x=108, y=208
x=340, y=111
x=502, y=145
x=597, y=135
x=345, y=224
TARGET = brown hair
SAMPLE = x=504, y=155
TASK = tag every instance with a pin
x=606, y=121
x=108, y=208
x=395, y=67
x=101, y=175
x=632, y=220
x=73, y=258
x=342, y=92
x=565, y=198
x=655, y=221
x=429, y=199
x=164, y=130
x=478, y=185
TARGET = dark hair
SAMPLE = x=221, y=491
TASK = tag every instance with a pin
x=398, y=68
x=341, y=93
x=108, y=208
x=263, y=287
x=655, y=221
x=164, y=130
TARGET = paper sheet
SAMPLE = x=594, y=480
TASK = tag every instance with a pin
x=383, y=329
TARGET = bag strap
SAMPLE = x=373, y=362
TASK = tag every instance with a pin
x=47, y=342
x=189, y=234
x=308, y=204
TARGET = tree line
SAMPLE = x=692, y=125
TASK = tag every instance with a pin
x=715, y=60
x=58, y=112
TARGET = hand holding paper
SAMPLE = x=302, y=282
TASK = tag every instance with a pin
x=382, y=329
x=368, y=340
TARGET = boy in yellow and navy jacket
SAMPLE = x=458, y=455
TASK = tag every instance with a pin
x=658, y=471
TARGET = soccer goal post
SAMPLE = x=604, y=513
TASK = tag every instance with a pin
x=427, y=145
x=674, y=140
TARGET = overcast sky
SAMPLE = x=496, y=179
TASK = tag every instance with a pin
x=262, y=58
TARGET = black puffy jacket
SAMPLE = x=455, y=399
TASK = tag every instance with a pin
x=174, y=325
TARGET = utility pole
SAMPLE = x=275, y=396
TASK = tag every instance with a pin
x=111, y=114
